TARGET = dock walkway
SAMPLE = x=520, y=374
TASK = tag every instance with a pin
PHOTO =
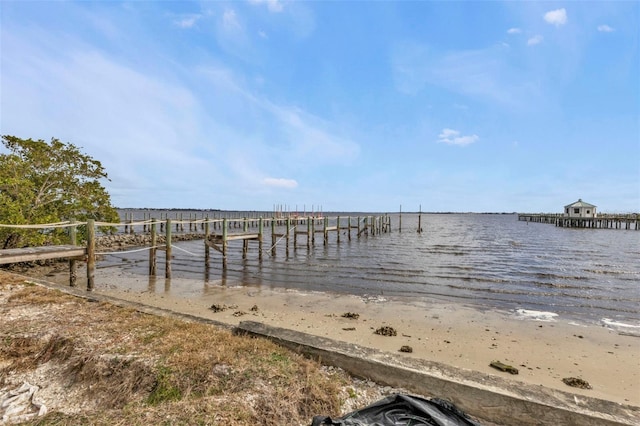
x=601, y=221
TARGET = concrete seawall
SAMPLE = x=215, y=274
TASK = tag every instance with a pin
x=483, y=396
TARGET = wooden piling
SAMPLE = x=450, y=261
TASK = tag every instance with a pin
x=153, y=250
x=325, y=231
x=206, y=246
x=260, y=237
x=167, y=251
x=288, y=224
x=91, y=254
x=225, y=243
x=273, y=236
x=245, y=243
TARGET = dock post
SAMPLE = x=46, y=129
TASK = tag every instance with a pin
x=325, y=231
x=207, y=251
x=167, y=251
x=358, y=226
x=308, y=233
x=338, y=228
x=225, y=224
x=152, y=251
x=260, y=236
x=73, y=269
x=420, y=220
x=349, y=228
x=273, y=236
x=245, y=243
x=91, y=254
x=313, y=231
x=288, y=224
x=400, y=220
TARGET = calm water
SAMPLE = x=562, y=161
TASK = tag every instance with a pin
x=491, y=261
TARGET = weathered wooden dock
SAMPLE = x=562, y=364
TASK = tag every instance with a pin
x=31, y=254
x=72, y=251
x=601, y=221
x=294, y=227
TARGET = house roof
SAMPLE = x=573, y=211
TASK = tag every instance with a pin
x=580, y=203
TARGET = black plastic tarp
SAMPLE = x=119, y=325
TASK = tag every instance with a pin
x=402, y=410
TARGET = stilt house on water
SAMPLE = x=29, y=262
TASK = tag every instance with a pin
x=580, y=209
x=584, y=215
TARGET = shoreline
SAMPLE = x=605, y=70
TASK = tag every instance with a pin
x=544, y=348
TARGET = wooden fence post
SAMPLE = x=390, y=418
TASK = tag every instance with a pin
x=91, y=254
x=167, y=251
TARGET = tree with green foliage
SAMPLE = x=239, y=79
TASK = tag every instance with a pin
x=51, y=182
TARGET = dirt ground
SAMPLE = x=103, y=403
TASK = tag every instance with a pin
x=67, y=360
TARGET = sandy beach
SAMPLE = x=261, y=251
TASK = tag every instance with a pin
x=543, y=347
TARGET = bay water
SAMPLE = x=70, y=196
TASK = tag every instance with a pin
x=489, y=261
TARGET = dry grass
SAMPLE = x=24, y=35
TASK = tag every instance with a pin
x=119, y=366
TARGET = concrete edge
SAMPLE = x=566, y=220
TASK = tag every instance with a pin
x=483, y=396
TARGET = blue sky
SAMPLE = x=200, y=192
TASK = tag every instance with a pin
x=354, y=106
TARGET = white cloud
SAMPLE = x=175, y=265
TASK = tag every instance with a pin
x=273, y=5
x=514, y=31
x=453, y=137
x=230, y=20
x=537, y=39
x=280, y=182
x=486, y=74
x=556, y=17
x=187, y=21
x=605, y=29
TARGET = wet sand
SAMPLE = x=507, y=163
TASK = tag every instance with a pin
x=544, y=348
